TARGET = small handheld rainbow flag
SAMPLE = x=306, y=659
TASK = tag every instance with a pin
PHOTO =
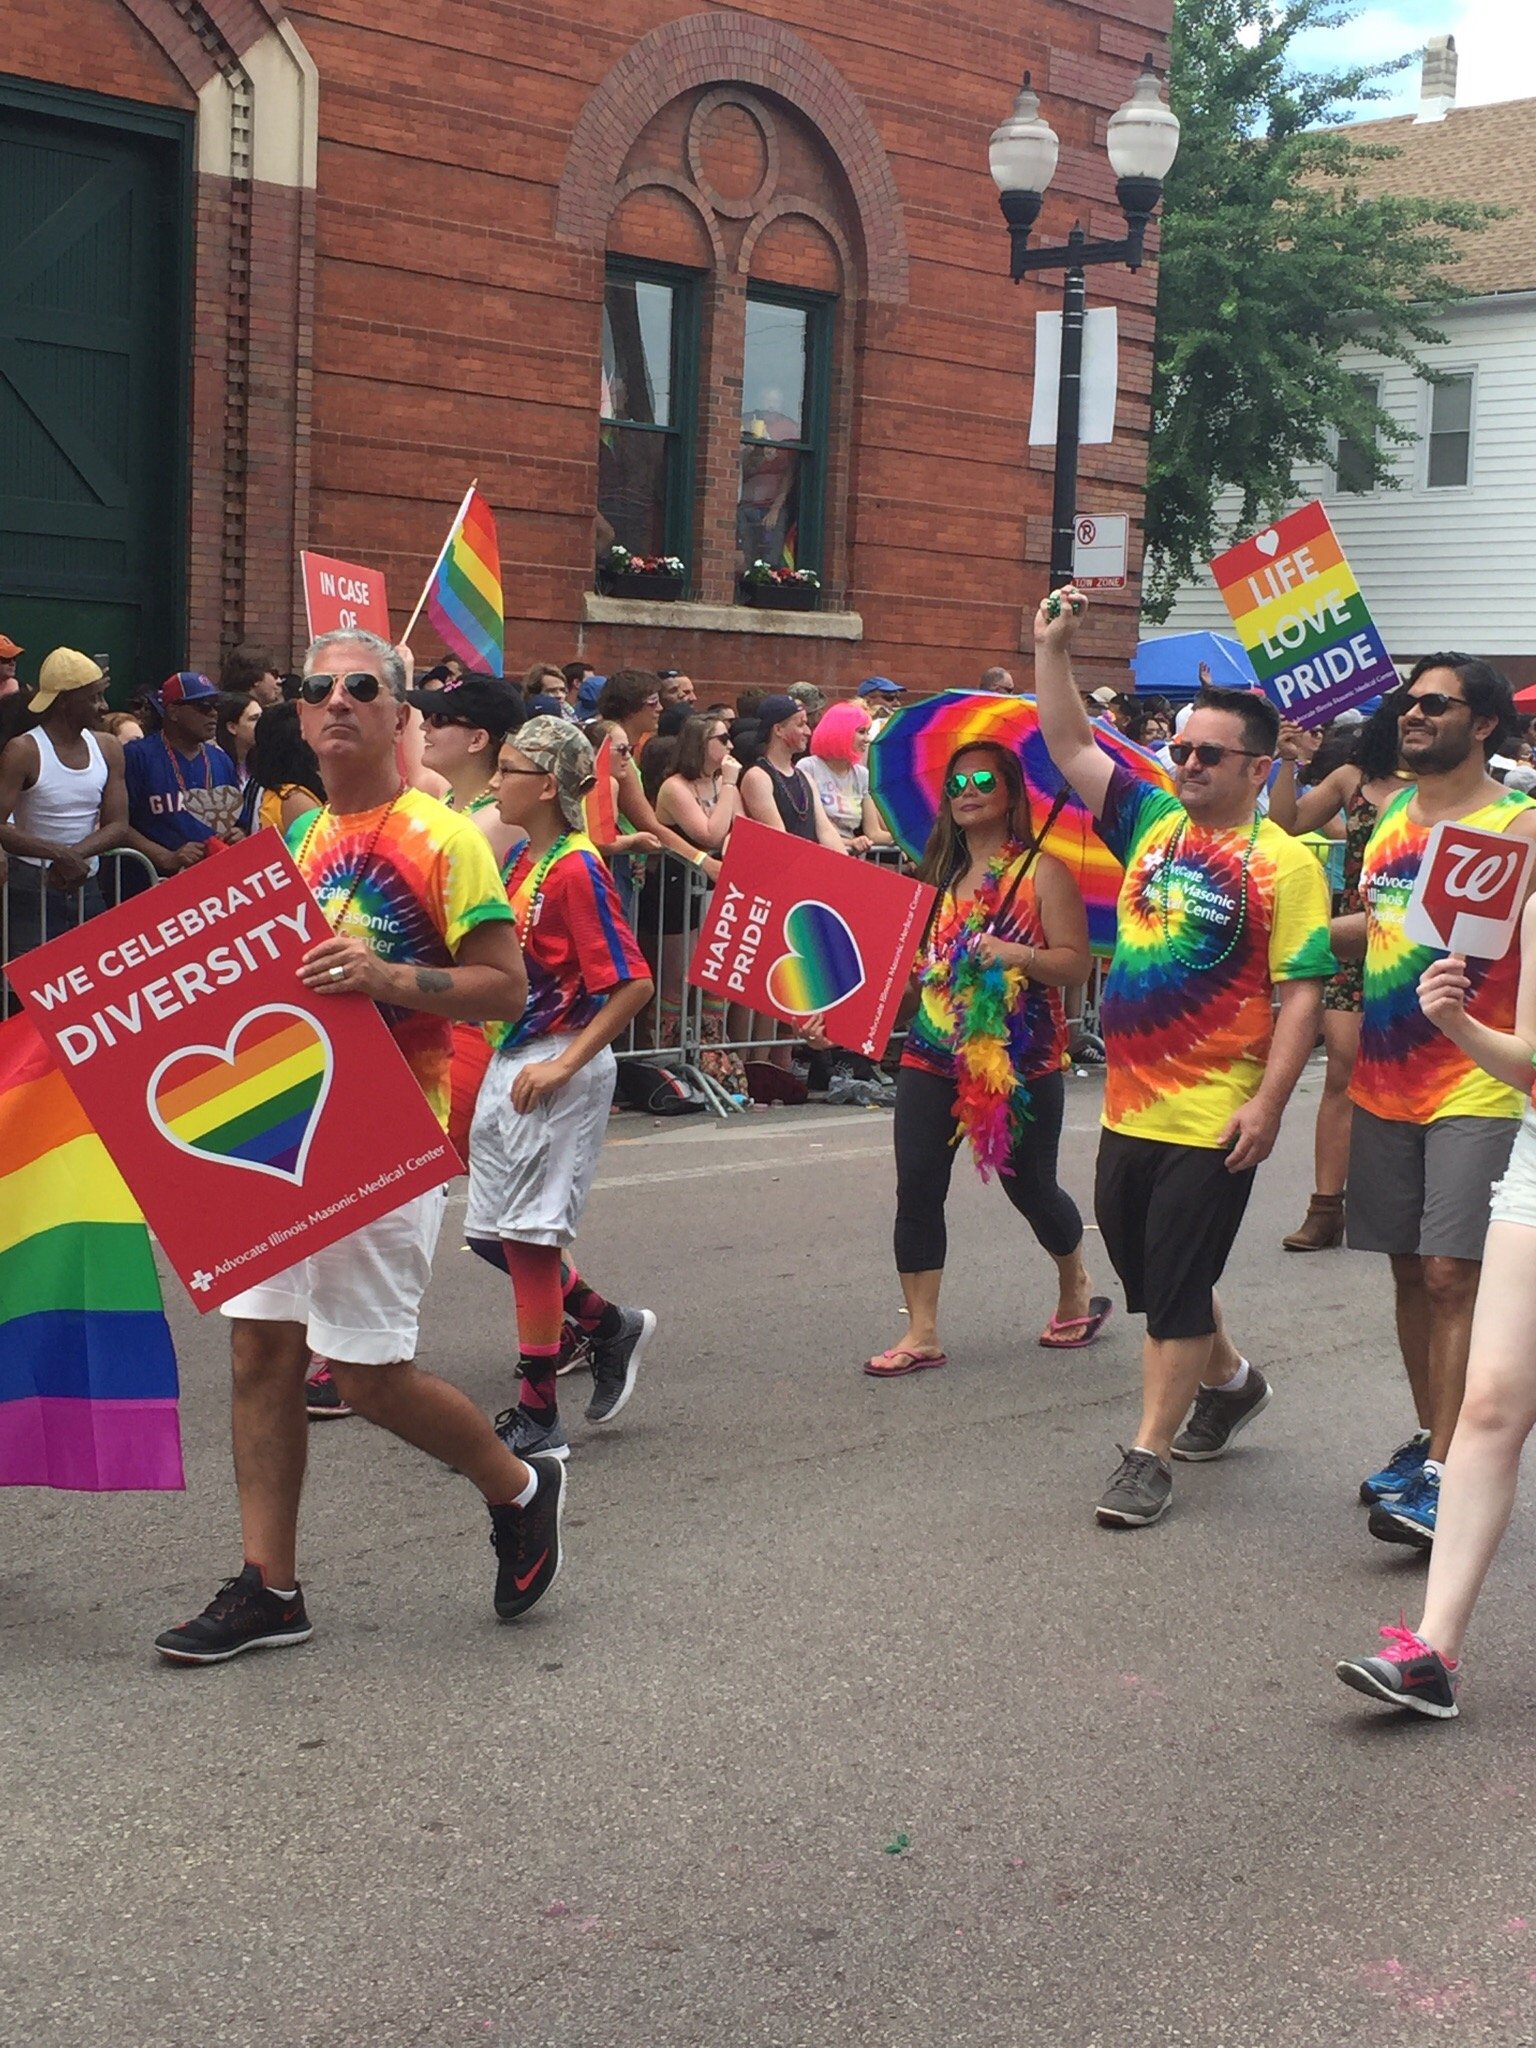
x=463, y=593
x=87, y=1368
x=602, y=819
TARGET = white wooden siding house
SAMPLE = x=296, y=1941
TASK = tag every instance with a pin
x=1448, y=559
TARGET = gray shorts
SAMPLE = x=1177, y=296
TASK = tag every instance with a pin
x=1424, y=1188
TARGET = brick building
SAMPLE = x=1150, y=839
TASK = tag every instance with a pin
x=720, y=283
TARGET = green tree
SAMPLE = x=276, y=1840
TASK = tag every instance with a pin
x=1273, y=263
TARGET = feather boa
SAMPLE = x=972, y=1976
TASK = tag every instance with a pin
x=980, y=1007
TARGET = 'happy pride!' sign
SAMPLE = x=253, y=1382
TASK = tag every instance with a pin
x=1298, y=611
x=253, y=1120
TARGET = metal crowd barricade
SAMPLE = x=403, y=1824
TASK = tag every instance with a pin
x=31, y=912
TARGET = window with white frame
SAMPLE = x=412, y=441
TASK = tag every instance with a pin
x=1450, y=433
x=1353, y=460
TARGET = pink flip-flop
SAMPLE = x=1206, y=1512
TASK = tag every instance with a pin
x=890, y=1365
x=1054, y=1337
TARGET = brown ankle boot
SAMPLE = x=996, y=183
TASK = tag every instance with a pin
x=1323, y=1230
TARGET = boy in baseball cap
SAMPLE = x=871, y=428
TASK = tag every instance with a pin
x=543, y=1106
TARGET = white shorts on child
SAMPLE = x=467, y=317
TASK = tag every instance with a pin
x=530, y=1173
x=360, y=1299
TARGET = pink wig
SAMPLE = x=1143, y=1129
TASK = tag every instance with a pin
x=835, y=731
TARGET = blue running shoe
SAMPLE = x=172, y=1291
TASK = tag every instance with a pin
x=1411, y=1517
x=1404, y=1465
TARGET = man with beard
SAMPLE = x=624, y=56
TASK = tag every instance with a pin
x=1210, y=1013
x=1432, y=1131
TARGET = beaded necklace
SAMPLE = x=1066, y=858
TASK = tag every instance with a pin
x=1165, y=880
x=364, y=865
x=535, y=884
x=175, y=760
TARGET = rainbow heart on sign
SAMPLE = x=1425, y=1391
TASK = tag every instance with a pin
x=255, y=1102
x=823, y=965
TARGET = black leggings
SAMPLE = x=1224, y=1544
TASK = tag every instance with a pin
x=925, y=1158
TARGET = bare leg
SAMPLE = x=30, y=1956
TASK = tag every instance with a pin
x=270, y=1433
x=1413, y=1331
x=1451, y=1285
x=921, y=1292
x=1335, y=1113
x=1478, y=1490
x=1074, y=1290
x=1171, y=1371
x=1225, y=1358
x=437, y=1419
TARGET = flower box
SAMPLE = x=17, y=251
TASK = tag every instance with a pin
x=632, y=583
x=782, y=597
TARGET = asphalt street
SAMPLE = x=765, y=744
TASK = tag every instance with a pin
x=844, y=1724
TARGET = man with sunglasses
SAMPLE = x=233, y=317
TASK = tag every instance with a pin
x=420, y=924
x=1432, y=1131
x=1210, y=1013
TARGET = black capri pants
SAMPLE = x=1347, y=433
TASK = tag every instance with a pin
x=925, y=1159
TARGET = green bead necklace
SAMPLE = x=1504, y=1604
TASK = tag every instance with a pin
x=1165, y=879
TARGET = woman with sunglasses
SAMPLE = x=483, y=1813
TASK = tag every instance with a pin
x=987, y=1047
x=1360, y=788
x=463, y=727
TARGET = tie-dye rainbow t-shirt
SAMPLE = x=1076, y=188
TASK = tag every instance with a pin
x=1186, y=1014
x=430, y=880
x=1406, y=1071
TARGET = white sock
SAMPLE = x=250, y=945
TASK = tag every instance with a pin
x=284, y=1592
x=1235, y=1385
x=529, y=1490
x=1435, y=1465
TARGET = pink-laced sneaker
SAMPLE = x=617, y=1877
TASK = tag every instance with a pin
x=1407, y=1673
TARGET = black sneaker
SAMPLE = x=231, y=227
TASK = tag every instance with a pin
x=322, y=1396
x=575, y=1350
x=1217, y=1417
x=241, y=1616
x=526, y=1438
x=1141, y=1491
x=527, y=1542
x=615, y=1364
x=1408, y=1673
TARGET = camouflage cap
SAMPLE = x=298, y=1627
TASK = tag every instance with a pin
x=814, y=699
x=563, y=750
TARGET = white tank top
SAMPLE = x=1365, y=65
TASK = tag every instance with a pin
x=64, y=804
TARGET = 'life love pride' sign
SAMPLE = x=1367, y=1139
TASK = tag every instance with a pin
x=254, y=1121
x=1470, y=890
x=794, y=930
x=1298, y=611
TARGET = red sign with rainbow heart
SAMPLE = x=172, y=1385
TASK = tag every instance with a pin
x=793, y=929
x=254, y=1121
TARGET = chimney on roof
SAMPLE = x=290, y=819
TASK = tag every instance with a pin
x=1437, y=82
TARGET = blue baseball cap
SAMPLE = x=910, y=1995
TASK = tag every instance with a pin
x=878, y=686
x=590, y=690
x=187, y=686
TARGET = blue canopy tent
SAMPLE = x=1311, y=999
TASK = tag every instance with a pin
x=1170, y=666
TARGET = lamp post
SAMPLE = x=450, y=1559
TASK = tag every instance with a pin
x=1143, y=141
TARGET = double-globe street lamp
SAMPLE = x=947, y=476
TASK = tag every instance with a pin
x=1143, y=141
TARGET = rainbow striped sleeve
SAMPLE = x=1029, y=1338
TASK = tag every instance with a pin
x=87, y=1367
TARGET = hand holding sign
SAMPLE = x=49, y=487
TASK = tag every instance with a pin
x=1443, y=991
x=1470, y=890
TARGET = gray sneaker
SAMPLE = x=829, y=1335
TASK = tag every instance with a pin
x=616, y=1363
x=1217, y=1417
x=1141, y=1491
x=525, y=1438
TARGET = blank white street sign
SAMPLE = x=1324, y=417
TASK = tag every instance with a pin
x=1099, y=549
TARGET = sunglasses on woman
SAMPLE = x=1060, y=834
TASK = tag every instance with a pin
x=982, y=780
x=1207, y=753
x=360, y=686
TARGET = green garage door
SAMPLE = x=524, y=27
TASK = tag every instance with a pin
x=92, y=354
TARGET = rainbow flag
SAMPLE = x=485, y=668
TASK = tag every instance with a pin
x=87, y=1366
x=597, y=806
x=463, y=594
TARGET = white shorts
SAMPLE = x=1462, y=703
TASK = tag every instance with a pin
x=530, y=1174
x=360, y=1299
x=1514, y=1197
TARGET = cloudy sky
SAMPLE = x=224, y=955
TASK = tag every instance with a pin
x=1495, y=41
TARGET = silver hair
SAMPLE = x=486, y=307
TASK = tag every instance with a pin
x=389, y=661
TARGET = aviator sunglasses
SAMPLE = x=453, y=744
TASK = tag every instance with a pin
x=360, y=686
x=982, y=780
x=1207, y=753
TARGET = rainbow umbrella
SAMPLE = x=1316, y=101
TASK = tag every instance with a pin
x=910, y=752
